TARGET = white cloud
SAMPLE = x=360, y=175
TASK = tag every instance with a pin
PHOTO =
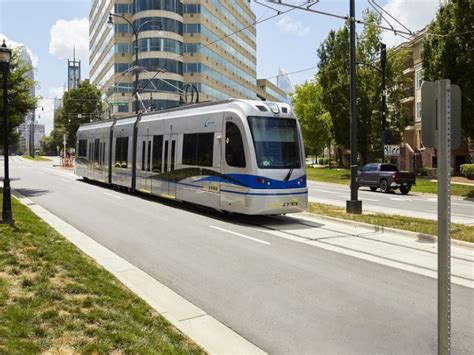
x=288, y=25
x=12, y=44
x=414, y=14
x=65, y=35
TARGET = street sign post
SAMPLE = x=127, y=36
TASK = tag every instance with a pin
x=441, y=129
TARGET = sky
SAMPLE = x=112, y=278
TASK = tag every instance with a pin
x=50, y=29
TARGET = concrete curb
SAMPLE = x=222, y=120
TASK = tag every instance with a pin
x=213, y=336
x=413, y=235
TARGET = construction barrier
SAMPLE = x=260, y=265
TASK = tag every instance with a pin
x=67, y=162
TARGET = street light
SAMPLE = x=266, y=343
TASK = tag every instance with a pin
x=5, y=57
x=136, y=31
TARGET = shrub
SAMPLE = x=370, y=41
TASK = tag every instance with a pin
x=428, y=172
x=468, y=171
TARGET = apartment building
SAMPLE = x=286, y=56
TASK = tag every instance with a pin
x=267, y=91
x=414, y=155
x=179, y=43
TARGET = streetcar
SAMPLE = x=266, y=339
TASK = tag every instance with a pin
x=241, y=156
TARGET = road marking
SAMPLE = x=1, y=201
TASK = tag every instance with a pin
x=109, y=194
x=368, y=199
x=241, y=235
x=66, y=180
x=328, y=191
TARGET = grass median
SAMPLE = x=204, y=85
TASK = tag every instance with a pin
x=343, y=176
x=418, y=225
x=35, y=158
x=55, y=299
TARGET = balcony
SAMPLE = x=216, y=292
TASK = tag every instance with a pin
x=409, y=95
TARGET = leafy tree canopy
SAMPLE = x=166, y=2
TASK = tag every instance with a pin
x=334, y=78
x=20, y=87
x=80, y=105
x=448, y=53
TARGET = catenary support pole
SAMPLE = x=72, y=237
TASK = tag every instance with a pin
x=353, y=205
x=383, y=62
x=443, y=94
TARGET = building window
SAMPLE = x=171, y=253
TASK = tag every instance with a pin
x=198, y=149
x=122, y=108
x=234, y=147
x=418, y=110
x=419, y=78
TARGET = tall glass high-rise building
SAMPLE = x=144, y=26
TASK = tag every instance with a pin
x=188, y=42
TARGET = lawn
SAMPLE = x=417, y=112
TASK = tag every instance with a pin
x=35, y=158
x=342, y=176
x=55, y=299
x=418, y=225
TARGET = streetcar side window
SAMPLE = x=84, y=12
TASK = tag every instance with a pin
x=157, y=153
x=198, y=149
x=121, y=152
x=234, y=147
x=82, y=149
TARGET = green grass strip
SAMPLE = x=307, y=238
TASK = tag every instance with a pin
x=55, y=299
x=35, y=158
x=418, y=225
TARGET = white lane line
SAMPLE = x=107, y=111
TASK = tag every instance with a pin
x=109, y=194
x=66, y=180
x=328, y=191
x=241, y=235
x=368, y=199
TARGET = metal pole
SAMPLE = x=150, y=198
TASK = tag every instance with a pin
x=354, y=205
x=383, y=62
x=443, y=94
x=136, y=72
x=33, y=134
x=135, y=128
x=7, y=213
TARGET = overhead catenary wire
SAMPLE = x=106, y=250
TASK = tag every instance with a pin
x=346, y=18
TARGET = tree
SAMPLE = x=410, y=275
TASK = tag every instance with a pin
x=80, y=105
x=315, y=122
x=334, y=78
x=20, y=87
x=448, y=53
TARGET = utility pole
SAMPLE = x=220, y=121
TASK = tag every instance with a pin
x=383, y=62
x=353, y=205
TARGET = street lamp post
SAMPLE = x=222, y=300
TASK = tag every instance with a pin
x=5, y=57
x=136, y=31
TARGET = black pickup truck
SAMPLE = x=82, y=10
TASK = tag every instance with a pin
x=386, y=177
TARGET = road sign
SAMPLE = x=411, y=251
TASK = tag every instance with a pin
x=430, y=94
x=392, y=150
x=119, y=103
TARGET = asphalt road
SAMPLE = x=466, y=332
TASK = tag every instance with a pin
x=412, y=205
x=282, y=295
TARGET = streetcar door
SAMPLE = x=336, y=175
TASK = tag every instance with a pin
x=169, y=162
x=145, y=164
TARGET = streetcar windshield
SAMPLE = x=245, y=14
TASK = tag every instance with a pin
x=276, y=142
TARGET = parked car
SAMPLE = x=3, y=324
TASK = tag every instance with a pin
x=386, y=177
